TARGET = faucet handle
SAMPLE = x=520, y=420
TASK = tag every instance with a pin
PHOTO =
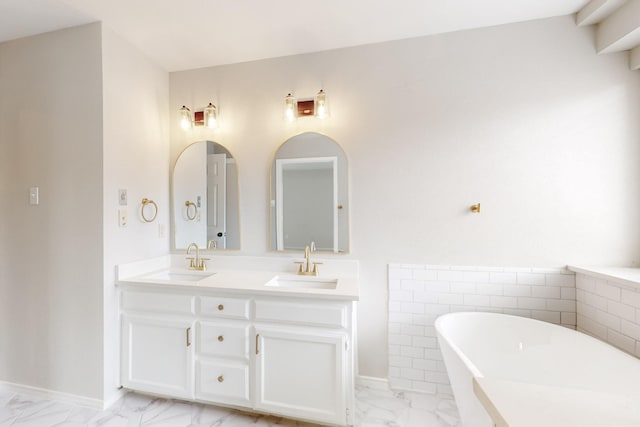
x=300, y=269
x=315, y=268
x=192, y=263
x=203, y=265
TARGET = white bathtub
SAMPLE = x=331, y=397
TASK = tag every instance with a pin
x=526, y=351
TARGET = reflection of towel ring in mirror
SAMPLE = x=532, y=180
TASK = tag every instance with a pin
x=188, y=204
x=146, y=202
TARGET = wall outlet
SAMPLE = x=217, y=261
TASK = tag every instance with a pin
x=161, y=230
x=122, y=217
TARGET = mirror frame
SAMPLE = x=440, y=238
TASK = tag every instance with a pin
x=175, y=249
x=272, y=218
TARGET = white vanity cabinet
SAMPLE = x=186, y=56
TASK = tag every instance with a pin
x=290, y=356
x=304, y=359
x=223, y=351
x=157, y=344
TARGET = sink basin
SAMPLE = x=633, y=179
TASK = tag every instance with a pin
x=178, y=276
x=302, y=282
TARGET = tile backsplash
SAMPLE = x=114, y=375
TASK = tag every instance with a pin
x=418, y=294
x=609, y=310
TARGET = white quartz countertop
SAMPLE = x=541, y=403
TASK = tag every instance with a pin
x=518, y=404
x=232, y=279
x=626, y=276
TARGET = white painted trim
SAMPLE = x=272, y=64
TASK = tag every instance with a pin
x=106, y=404
x=634, y=59
x=374, y=383
x=53, y=395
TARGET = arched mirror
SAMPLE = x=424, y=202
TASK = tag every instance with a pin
x=205, y=197
x=310, y=195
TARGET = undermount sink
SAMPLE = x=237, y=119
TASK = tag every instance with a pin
x=302, y=282
x=171, y=276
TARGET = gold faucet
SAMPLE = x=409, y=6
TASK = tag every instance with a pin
x=196, y=263
x=305, y=266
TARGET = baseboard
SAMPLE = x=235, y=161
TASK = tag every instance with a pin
x=117, y=395
x=74, y=399
x=372, y=382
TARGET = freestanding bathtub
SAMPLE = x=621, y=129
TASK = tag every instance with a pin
x=529, y=353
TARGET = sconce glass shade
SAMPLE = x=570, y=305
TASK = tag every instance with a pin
x=211, y=116
x=321, y=105
x=290, y=108
x=185, y=117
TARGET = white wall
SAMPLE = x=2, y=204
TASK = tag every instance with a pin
x=524, y=118
x=136, y=158
x=51, y=255
x=82, y=114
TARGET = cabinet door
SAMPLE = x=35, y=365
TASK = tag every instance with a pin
x=300, y=372
x=157, y=355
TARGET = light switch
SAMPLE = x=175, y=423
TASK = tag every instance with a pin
x=122, y=197
x=122, y=217
x=34, y=196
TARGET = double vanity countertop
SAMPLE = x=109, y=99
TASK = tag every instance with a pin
x=338, y=279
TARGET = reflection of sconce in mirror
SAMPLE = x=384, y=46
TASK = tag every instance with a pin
x=208, y=117
x=306, y=107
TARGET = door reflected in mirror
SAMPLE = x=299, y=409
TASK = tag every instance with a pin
x=309, y=195
x=205, y=197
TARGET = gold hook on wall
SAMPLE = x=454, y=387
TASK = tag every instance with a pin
x=475, y=208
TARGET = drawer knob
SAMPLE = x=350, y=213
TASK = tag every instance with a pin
x=220, y=307
x=220, y=338
x=220, y=379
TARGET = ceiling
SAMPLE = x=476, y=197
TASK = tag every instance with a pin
x=187, y=34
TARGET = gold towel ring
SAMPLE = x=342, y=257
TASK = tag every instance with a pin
x=188, y=204
x=146, y=202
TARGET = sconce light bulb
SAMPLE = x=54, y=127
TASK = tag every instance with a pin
x=321, y=104
x=211, y=116
x=289, y=108
x=185, y=118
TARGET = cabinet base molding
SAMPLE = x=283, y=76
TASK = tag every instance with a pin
x=73, y=399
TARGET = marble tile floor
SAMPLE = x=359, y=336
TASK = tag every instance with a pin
x=375, y=408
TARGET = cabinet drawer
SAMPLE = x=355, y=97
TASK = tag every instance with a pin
x=157, y=302
x=223, y=339
x=232, y=308
x=318, y=314
x=222, y=382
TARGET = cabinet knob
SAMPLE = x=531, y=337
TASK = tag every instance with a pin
x=220, y=307
x=220, y=379
x=220, y=338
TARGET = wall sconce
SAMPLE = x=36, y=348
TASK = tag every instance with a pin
x=185, y=118
x=321, y=105
x=211, y=116
x=206, y=117
x=306, y=107
x=290, y=108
